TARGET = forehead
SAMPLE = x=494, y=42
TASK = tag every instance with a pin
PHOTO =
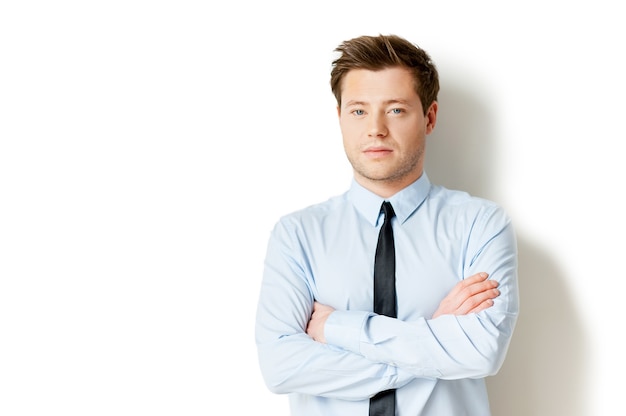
x=368, y=86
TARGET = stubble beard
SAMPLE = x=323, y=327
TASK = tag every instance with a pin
x=404, y=168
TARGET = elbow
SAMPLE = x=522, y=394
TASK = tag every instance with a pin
x=274, y=387
x=495, y=363
x=479, y=367
x=492, y=358
x=273, y=383
x=274, y=372
x=484, y=359
x=492, y=367
x=494, y=346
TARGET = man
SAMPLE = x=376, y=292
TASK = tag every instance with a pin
x=319, y=336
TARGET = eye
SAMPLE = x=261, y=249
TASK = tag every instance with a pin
x=397, y=111
x=358, y=112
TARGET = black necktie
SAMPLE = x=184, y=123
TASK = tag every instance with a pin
x=384, y=403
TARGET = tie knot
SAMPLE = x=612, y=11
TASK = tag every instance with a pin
x=388, y=210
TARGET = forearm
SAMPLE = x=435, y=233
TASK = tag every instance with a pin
x=290, y=360
x=297, y=364
x=449, y=347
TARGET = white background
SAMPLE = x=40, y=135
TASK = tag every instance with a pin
x=148, y=147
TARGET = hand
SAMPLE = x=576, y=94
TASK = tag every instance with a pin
x=315, y=327
x=470, y=295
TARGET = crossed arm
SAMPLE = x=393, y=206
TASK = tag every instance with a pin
x=471, y=295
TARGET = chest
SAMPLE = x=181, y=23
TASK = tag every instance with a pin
x=428, y=265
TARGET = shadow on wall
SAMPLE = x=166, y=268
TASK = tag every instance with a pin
x=460, y=151
x=544, y=371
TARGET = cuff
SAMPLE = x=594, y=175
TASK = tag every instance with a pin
x=344, y=328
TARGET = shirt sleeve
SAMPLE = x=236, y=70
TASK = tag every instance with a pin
x=448, y=347
x=290, y=360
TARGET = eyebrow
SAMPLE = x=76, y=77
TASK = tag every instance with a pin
x=386, y=102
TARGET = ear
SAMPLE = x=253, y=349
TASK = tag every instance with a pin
x=338, y=111
x=431, y=116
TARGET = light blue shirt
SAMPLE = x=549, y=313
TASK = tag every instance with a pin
x=326, y=252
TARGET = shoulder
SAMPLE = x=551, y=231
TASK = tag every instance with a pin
x=461, y=204
x=315, y=213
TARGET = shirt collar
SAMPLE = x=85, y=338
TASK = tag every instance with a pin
x=404, y=202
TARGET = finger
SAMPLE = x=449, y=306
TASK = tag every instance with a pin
x=480, y=287
x=468, y=282
x=475, y=301
x=484, y=305
x=477, y=287
x=475, y=278
x=464, y=290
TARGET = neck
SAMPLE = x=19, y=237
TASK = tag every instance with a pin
x=385, y=188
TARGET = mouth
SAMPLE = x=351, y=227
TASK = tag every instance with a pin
x=377, y=151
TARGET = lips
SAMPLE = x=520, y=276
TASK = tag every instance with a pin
x=377, y=151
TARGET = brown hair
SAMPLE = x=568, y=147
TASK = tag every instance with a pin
x=375, y=53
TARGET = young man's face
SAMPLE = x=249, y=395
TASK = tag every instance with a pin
x=384, y=128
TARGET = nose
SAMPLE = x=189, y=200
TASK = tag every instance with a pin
x=377, y=126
